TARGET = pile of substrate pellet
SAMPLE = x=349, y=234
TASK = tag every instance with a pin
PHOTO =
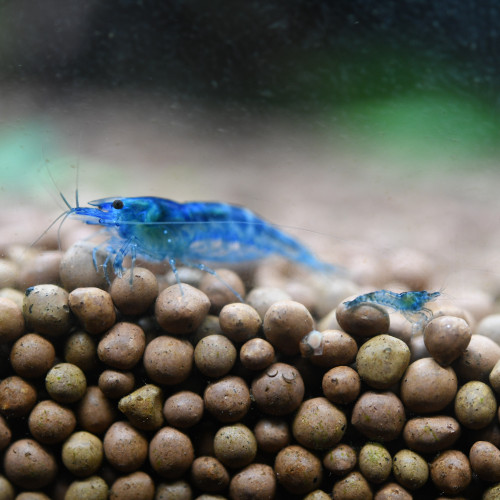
x=144, y=389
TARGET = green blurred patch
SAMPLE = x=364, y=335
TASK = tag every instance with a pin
x=423, y=128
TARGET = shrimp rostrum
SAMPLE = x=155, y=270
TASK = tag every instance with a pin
x=192, y=234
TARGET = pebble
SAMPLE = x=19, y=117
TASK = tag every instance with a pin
x=66, y=383
x=363, y=321
x=115, y=384
x=135, y=486
x=32, y=356
x=29, y=465
x=285, y=324
x=478, y=359
x=262, y=298
x=17, y=397
x=122, y=346
x=42, y=268
x=216, y=288
x=257, y=354
x=181, y=313
x=136, y=297
x=95, y=412
x=447, y=338
x=94, y=309
x=410, y=469
x=82, y=454
x=171, y=453
x=239, y=322
x=77, y=268
x=11, y=321
x=46, y=310
x=143, y=407
x=451, y=472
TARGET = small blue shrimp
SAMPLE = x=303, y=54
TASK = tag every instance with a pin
x=158, y=229
x=410, y=304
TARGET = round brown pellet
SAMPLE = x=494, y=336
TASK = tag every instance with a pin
x=125, y=448
x=66, y=383
x=353, y=487
x=95, y=412
x=318, y=424
x=363, y=321
x=279, y=390
x=92, y=488
x=11, y=321
x=263, y=297
x=256, y=354
x=134, y=297
x=341, y=385
x=451, y=472
x=340, y=460
x=272, y=434
x=285, y=324
x=379, y=416
x=216, y=288
x=446, y=338
x=239, y=322
x=183, y=409
x=115, y=384
x=50, y=423
x=171, y=453
x=17, y=397
x=475, y=405
x=375, y=462
x=82, y=453
x=382, y=360
x=122, y=346
x=485, y=461
x=410, y=469
x=46, y=310
x=174, y=490
x=5, y=434
x=168, y=360
x=208, y=474
x=298, y=470
x=181, y=312
x=215, y=355
x=6, y=489
x=235, y=445
x=257, y=481
x=94, y=308
x=135, y=486
x=428, y=387
x=228, y=399
x=392, y=491
x=339, y=348
x=80, y=350
x=32, y=356
x=29, y=465
x=431, y=434
x=32, y=495
x=478, y=359
x=77, y=267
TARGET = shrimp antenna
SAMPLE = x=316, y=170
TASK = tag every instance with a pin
x=64, y=215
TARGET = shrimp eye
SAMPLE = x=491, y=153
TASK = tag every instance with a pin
x=118, y=204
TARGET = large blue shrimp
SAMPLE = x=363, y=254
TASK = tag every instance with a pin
x=193, y=233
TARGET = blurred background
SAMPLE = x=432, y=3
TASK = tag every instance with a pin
x=370, y=127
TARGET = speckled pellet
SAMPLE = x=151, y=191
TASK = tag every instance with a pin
x=11, y=321
x=46, y=310
x=181, y=312
x=66, y=383
x=94, y=309
x=143, y=407
x=82, y=454
x=285, y=324
x=134, y=297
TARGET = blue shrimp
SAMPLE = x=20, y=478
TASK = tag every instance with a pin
x=410, y=304
x=158, y=229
